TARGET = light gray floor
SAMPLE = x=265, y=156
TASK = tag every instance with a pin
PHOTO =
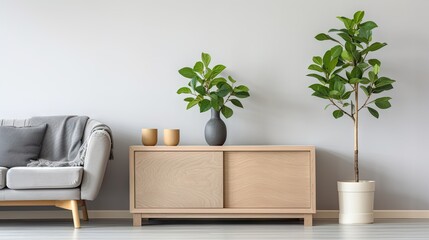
x=213, y=229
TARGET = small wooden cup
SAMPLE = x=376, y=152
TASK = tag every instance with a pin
x=149, y=136
x=171, y=137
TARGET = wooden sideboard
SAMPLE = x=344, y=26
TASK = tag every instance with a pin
x=222, y=182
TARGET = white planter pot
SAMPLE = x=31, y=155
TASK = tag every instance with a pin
x=356, y=202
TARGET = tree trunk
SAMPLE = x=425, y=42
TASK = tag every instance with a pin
x=356, y=133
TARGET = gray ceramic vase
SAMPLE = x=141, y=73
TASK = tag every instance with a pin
x=215, y=131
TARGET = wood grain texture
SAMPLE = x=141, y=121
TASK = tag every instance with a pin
x=258, y=148
x=267, y=180
x=178, y=180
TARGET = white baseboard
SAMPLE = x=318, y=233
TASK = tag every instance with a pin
x=106, y=214
x=380, y=214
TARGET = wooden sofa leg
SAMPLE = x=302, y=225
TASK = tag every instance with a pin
x=72, y=205
x=75, y=212
x=84, y=210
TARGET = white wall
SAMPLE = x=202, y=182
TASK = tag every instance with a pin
x=117, y=61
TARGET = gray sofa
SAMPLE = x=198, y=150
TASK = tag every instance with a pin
x=64, y=187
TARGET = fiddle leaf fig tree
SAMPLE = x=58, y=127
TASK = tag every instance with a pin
x=347, y=69
x=209, y=90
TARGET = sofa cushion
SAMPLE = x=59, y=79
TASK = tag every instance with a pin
x=43, y=177
x=19, y=145
x=3, y=171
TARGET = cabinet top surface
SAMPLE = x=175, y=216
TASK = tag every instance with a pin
x=223, y=148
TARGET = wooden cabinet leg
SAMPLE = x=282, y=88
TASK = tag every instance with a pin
x=137, y=219
x=75, y=212
x=308, y=220
x=84, y=211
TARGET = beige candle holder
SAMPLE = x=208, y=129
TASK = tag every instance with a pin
x=171, y=137
x=149, y=136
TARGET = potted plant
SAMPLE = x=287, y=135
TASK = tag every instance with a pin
x=212, y=92
x=342, y=72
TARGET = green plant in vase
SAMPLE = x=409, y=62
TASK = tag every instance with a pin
x=342, y=73
x=210, y=91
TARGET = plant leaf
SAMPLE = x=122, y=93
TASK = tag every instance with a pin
x=237, y=103
x=242, y=94
x=206, y=59
x=187, y=72
x=320, y=78
x=198, y=67
x=227, y=112
x=365, y=90
x=324, y=37
x=358, y=16
x=224, y=90
x=184, y=90
x=383, y=81
x=373, y=112
x=317, y=60
x=316, y=68
x=383, y=102
x=200, y=90
x=192, y=103
x=205, y=105
x=374, y=47
x=337, y=114
x=368, y=25
x=231, y=79
x=216, y=70
x=241, y=88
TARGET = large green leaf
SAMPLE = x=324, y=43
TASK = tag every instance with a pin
x=241, y=94
x=319, y=88
x=327, y=59
x=337, y=114
x=192, y=103
x=315, y=68
x=187, y=72
x=200, y=90
x=198, y=67
x=227, y=112
x=383, y=88
x=241, y=88
x=317, y=60
x=189, y=99
x=358, y=16
x=374, y=47
x=184, y=90
x=365, y=90
x=318, y=77
x=206, y=59
x=336, y=51
x=373, y=112
x=216, y=81
x=324, y=37
x=237, y=103
x=340, y=87
x=374, y=62
x=383, y=81
x=216, y=70
x=346, y=56
x=356, y=73
x=224, y=90
x=205, y=105
x=348, y=23
x=383, y=102
x=368, y=25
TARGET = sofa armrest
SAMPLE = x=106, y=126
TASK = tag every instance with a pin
x=97, y=155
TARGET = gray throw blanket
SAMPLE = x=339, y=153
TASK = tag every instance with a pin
x=62, y=145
